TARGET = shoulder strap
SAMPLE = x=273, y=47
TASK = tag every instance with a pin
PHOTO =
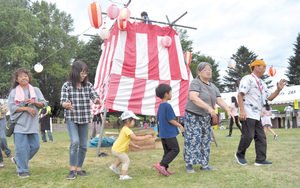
x=213, y=106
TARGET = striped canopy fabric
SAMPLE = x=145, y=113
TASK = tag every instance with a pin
x=133, y=63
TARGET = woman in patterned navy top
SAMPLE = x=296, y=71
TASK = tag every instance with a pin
x=76, y=95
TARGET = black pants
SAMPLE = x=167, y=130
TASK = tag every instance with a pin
x=253, y=129
x=171, y=150
x=236, y=122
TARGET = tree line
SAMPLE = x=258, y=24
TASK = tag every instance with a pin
x=31, y=31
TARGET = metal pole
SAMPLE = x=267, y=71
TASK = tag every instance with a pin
x=101, y=132
x=213, y=134
x=170, y=24
x=179, y=18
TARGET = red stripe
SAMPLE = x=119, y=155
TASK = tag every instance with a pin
x=112, y=90
x=173, y=58
x=137, y=95
x=157, y=99
x=129, y=64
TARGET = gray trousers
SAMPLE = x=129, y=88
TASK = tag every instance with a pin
x=288, y=117
x=3, y=141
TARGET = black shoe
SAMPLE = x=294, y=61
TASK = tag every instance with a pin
x=82, y=173
x=23, y=175
x=71, y=175
x=228, y=135
x=8, y=155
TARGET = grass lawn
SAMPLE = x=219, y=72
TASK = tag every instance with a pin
x=50, y=166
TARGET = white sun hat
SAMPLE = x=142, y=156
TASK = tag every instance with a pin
x=128, y=114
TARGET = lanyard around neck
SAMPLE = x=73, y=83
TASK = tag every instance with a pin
x=260, y=89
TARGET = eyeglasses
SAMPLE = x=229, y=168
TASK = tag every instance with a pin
x=84, y=73
x=206, y=70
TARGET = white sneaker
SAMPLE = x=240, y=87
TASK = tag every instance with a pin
x=115, y=169
x=125, y=177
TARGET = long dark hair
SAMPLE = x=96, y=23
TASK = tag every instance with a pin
x=74, y=75
x=267, y=106
x=15, y=83
x=233, y=99
x=119, y=125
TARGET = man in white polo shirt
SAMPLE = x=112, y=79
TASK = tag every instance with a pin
x=253, y=93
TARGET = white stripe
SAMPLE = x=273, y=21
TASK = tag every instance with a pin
x=96, y=83
x=163, y=57
x=175, y=84
x=123, y=94
x=148, y=102
x=103, y=71
x=118, y=59
x=142, y=59
x=182, y=65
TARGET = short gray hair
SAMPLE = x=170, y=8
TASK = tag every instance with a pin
x=202, y=65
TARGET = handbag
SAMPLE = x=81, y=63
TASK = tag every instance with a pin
x=215, y=119
x=10, y=125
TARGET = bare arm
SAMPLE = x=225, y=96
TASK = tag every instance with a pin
x=224, y=106
x=197, y=101
x=280, y=85
x=134, y=137
x=243, y=115
x=173, y=122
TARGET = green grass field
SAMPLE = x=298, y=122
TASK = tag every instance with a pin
x=50, y=166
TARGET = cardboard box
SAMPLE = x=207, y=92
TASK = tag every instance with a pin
x=158, y=143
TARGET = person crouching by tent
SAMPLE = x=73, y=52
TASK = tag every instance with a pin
x=121, y=145
x=96, y=125
x=76, y=94
x=167, y=129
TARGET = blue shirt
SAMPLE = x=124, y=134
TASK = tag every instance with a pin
x=165, y=114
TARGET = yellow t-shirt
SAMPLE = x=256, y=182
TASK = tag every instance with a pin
x=121, y=145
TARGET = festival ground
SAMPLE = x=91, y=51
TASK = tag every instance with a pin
x=50, y=166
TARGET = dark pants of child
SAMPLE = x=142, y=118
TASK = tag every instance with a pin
x=171, y=150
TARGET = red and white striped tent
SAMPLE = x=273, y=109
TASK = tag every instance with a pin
x=133, y=63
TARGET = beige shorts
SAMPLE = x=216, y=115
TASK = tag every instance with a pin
x=123, y=157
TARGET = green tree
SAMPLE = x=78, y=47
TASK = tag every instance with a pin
x=186, y=45
x=197, y=58
x=18, y=28
x=293, y=68
x=55, y=47
x=90, y=54
x=243, y=58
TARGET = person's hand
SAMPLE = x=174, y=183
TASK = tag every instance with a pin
x=137, y=147
x=31, y=111
x=149, y=136
x=69, y=106
x=281, y=84
x=230, y=115
x=181, y=129
x=243, y=115
x=212, y=112
x=97, y=101
x=29, y=101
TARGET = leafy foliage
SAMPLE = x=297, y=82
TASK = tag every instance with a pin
x=293, y=68
x=90, y=54
x=18, y=28
x=243, y=59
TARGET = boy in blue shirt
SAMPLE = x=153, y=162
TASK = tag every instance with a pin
x=167, y=129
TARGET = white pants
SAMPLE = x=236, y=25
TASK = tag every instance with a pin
x=288, y=117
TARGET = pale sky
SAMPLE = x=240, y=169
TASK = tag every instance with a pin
x=268, y=28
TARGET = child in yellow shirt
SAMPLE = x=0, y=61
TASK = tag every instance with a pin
x=121, y=145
